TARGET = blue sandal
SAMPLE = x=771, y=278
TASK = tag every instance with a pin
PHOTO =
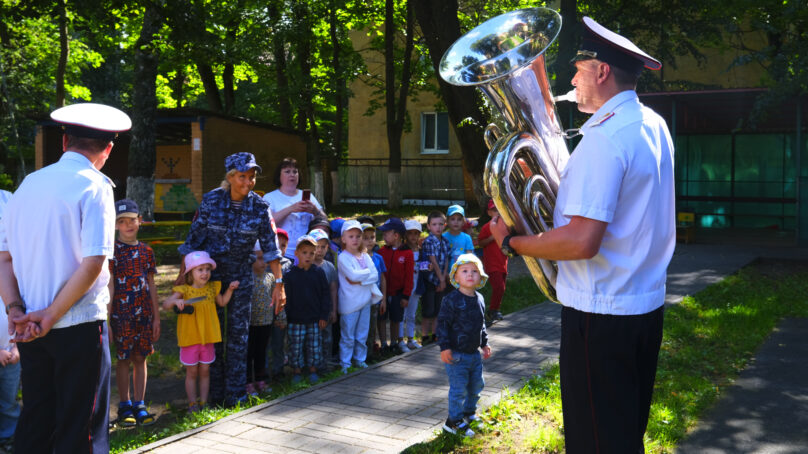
x=141, y=415
x=126, y=415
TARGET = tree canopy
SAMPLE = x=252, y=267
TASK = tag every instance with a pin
x=289, y=63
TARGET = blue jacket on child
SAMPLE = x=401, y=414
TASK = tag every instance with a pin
x=461, y=323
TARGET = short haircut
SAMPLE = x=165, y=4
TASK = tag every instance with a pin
x=86, y=144
x=435, y=214
x=285, y=163
x=303, y=244
x=625, y=79
x=366, y=220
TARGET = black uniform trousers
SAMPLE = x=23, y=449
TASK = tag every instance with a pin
x=65, y=392
x=608, y=365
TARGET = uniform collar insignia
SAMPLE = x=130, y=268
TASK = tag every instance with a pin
x=603, y=119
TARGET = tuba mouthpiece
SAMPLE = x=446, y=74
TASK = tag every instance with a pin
x=569, y=96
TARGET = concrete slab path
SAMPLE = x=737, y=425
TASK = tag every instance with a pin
x=766, y=409
x=402, y=401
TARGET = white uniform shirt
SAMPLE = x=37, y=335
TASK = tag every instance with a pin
x=295, y=224
x=4, y=198
x=620, y=173
x=59, y=215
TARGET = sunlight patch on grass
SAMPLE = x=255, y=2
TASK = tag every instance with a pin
x=708, y=339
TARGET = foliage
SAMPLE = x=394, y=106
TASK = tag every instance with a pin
x=238, y=40
x=707, y=340
x=784, y=55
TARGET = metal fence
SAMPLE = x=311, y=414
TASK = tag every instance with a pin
x=422, y=180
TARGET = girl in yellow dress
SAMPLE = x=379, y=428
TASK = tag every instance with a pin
x=197, y=323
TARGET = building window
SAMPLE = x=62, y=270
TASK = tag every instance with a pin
x=434, y=133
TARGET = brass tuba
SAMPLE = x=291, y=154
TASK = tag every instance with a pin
x=504, y=58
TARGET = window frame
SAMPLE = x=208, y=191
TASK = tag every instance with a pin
x=428, y=151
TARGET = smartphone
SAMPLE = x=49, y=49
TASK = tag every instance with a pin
x=306, y=194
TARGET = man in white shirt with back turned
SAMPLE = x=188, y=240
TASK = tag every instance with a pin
x=56, y=235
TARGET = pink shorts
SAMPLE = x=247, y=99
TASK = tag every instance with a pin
x=198, y=353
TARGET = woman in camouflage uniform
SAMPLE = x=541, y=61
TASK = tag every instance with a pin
x=227, y=225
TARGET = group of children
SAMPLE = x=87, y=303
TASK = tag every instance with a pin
x=339, y=275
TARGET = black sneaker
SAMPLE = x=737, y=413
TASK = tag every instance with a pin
x=471, y=418
x=458, y=428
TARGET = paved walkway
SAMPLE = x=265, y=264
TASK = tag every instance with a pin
x=766, y=409
x=402, y=401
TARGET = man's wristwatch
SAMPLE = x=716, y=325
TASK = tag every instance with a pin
x=507, y=250
x=19, y=304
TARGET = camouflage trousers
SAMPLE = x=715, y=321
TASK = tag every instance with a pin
x=228, y=374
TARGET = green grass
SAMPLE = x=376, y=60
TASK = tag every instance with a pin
x=708, y=339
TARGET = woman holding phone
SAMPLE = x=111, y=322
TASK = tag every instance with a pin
x=293, y=209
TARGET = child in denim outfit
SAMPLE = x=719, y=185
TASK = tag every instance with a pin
x=461, y=335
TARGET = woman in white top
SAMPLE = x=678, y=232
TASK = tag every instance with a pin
x=288, y=208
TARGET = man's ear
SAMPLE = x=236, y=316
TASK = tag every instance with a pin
x=603, y=72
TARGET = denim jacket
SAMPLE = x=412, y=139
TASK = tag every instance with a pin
x=461, y=322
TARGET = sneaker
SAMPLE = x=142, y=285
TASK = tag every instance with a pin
x=471, y=418
x=261, y=387
x=458, y=428
x=296, y=379
x=313, y=378
x=496, y=316
x=362, y=365
x=413, y=344
x=345, y=370
x=403, y=347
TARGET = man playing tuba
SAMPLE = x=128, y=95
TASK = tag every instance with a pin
x=614, y=236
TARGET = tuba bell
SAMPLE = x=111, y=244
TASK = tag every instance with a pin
x=504, y=58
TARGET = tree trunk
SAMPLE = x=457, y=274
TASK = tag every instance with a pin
x=302, y=14
x=441, y=28
x=142, y=149
x=339, y=94
x=567, y=47
x=336, y=194
x=284, y=106
x=394, y=190
x=64, y=51
x=229, y=90
x=278, y=46
x=396, y=111
x=211, y=89
x=177, y=85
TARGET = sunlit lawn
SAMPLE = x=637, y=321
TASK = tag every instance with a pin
x=708, y=339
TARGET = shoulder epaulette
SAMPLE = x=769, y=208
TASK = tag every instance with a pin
x=603, y=119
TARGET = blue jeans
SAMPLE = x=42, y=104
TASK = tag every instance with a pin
x=409, y=318
x=354, y=331
x=465, y=384
x=9, y=408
